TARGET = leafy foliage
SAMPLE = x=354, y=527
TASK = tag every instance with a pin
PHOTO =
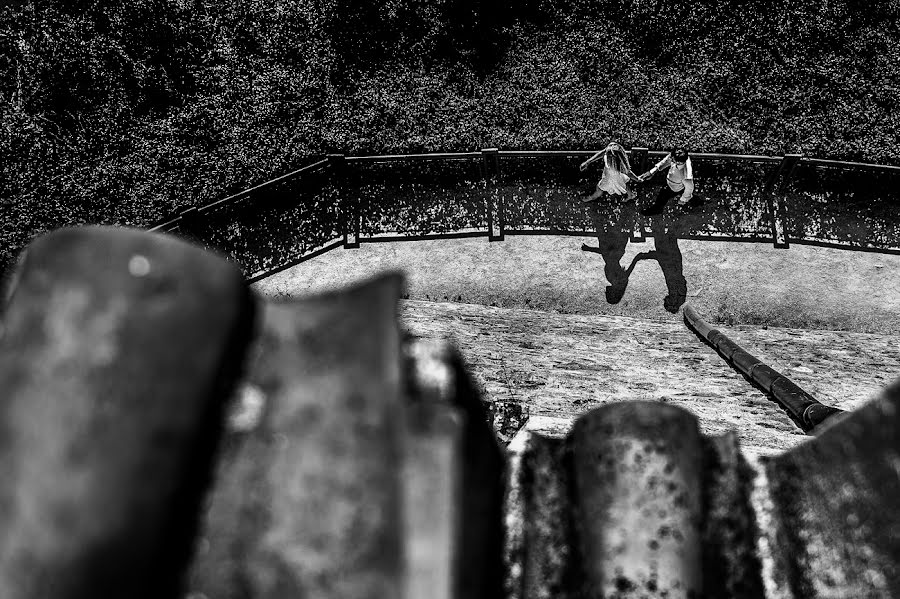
x=119, y=112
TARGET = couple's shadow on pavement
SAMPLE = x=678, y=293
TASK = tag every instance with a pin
x=614, y=224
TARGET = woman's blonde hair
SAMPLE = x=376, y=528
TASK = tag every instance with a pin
x=617, y=157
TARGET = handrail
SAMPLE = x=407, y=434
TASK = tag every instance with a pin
x=172, y=221
x=859, y=165
x=655, y=153
x=735, y=157
x=165, y=225
x=538, y=153
x=548, y=153
x=806, y=410
x=402, y=157
x=246, y=192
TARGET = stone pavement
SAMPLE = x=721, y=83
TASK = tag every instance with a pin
x=727, y=282
x=562, y=365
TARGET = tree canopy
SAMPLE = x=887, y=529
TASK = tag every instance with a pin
x=119, y=111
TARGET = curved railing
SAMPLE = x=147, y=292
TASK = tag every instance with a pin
x=346, y=200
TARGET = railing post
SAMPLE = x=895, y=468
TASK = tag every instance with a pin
x=777, y=207
x=349, y=206
x=639, y=159
x=491, y=165
x=788, y=163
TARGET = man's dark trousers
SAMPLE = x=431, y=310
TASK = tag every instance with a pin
x=665, y=195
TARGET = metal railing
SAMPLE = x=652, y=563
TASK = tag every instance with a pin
x=347, y=200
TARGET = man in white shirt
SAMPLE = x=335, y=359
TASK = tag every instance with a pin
x=679, y=180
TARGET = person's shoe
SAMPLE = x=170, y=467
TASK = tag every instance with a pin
x=588, y=199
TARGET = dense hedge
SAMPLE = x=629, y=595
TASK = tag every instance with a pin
x=119, y=111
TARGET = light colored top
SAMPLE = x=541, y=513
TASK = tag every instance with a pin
x=613, y=181
x=679, y=178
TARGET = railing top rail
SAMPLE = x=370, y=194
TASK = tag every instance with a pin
x=859, y=165
x=735, y=157
x=656, y=153
x=538, y=153
x=164, y=226
x=399, y=157
x=232, y=198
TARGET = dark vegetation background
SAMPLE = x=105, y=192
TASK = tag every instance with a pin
x=121, y=111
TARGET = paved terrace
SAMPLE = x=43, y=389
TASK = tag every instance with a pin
x=744, y=283
x=553, y=343
x=562, y=365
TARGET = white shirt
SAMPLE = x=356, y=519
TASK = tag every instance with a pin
x=677, y=176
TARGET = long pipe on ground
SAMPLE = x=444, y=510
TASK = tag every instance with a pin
x=805, y=409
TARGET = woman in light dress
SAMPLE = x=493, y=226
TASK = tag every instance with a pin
x=616, y=174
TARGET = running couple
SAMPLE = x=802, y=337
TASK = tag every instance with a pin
x=617, y=173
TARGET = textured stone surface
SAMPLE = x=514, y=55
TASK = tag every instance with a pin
x=731, y=564
x=637, y=471
x=819, y=520
x=309, y=501
x=835, y=506
x=562, y=365
x=540, y=539
x=436, y=374
x=118, y=350
x=432, y=496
